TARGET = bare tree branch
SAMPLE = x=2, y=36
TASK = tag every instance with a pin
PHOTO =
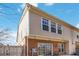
x=5, y=34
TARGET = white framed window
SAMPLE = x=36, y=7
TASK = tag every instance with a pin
x=61, y=47
x=45, y=49
x=45, y=24
x=59, y=29
x=48, y=25
x=53, y=27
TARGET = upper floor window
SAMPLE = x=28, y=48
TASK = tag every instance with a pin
x=59, y=29
x=45, y=24
x=53, y=27
x=50, y=26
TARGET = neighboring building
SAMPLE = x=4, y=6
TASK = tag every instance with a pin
x=43, y=34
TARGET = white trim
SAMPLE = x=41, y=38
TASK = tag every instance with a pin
x=61, y=29
x=49, y=25
x=56, y=28
x=27, y=23
x=55, y=25
x=28, y=30
x=60, y=47
x=52, y=49
x=42, y=23
x=61, y=39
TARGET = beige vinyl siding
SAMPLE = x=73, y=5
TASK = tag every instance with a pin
x=35, y=28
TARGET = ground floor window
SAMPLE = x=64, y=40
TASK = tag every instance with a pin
x=44, y=49
x=61, y=47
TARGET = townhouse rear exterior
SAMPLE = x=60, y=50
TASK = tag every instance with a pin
x=43, y=34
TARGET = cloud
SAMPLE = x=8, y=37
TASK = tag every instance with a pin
x=34, y=4
x=22, y=5
x=9, y=38
x=14, y=34
x=49, y=4
x=77, y=25
x=12, y=39
x=18, y=9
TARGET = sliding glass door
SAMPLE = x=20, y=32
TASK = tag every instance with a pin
x=45, y=49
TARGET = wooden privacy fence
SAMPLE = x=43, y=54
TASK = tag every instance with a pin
x=11, y=50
